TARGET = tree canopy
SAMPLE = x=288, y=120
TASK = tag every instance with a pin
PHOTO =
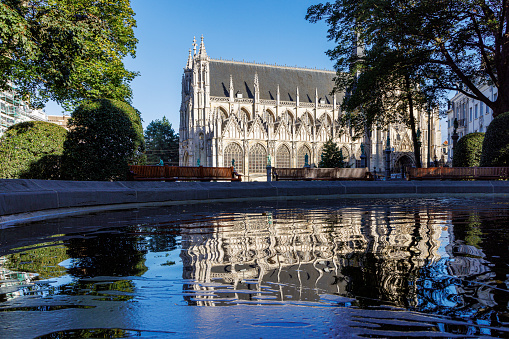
x=454, y=44
x=468, y=150
x=162, y=143
x=66, y=50
x=105, y=137
x=32, y=150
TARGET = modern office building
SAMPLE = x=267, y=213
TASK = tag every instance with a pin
x=13, y=110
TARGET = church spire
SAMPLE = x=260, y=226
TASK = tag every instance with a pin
x=256, y=83
x=203, y=52
x=189, y=60
x=256, y=88
x=194, y=45
x=231, y=88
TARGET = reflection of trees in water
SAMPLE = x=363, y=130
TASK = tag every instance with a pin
x=111, y=253
x=42, y=260
x=106, y=254
x=474, y=283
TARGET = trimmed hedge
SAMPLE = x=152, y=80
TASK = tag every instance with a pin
x=467, y=152
x=32, y=150
x=105, y=136
x=495, y=148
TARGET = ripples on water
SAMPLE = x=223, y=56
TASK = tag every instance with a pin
x=425, y=267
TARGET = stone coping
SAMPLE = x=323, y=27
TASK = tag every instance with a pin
x=24, y=200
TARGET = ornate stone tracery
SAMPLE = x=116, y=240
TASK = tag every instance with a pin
x=239, y=103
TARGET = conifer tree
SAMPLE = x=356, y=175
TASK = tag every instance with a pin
x=332, y=156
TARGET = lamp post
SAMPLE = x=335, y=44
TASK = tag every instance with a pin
x=388, y=158
x=454, y=136
x=429, y=137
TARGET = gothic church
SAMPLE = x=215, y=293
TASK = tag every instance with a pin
x=241, y=113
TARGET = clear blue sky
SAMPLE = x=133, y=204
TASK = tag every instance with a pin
x=263, y=31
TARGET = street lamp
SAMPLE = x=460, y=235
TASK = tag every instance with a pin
x=388, y=158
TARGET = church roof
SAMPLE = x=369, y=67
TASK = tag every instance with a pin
x=269, y=77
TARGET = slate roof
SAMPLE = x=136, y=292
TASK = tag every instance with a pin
x=269, y=76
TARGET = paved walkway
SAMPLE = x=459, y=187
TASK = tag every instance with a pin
x=24, y=200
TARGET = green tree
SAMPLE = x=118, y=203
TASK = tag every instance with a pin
x=32, y=150
x=467, y=152
x=382, y=89
x=461, y=44
x=332, y=156
x=66, y=50
x=105, y=136
x=495, y=147
x=161, y=142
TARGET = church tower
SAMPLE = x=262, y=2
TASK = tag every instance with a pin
x=195, y=109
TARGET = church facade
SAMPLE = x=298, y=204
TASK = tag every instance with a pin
x=246, y=113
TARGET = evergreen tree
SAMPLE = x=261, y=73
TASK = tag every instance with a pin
x=161, y=142
x=332, y=156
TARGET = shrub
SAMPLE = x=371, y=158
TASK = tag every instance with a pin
x=467, y=152
x=495, y=148
x=106, y=135
x=32, y=150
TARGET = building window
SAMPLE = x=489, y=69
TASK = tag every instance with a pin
x=482, y=109
x=231, y=152
x=283, y=157
x=475, y=110
x=301, y=154
x=470, y=113
x=257, y=159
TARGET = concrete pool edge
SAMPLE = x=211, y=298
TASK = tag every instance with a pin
x=25, y=200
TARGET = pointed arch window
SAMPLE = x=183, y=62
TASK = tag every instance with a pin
x=283, y=157
x=257, y=159
x=234, y=152
x=301, y=154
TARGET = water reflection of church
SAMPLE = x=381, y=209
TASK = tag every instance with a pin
x=334, y=253
x=377, y=256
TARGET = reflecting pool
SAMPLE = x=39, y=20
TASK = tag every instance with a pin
x=366, y=268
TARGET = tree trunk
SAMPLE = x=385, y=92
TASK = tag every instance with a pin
x=417, y=149
x=502, y=102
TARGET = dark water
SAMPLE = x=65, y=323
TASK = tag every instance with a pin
x=366, y=268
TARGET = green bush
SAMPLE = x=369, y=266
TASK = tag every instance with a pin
x=467, y=152
x=32, y=150
x=105, y=136
x=495, y=148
